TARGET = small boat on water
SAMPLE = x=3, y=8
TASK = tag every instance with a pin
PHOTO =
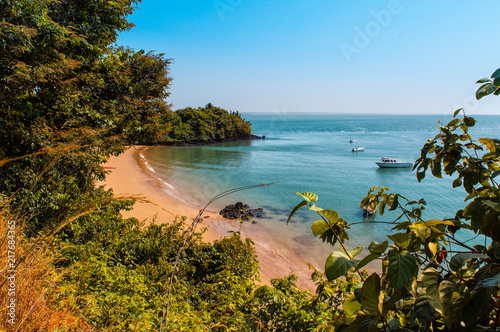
x=392, y=163
x=367, y=211
x=358, y=148
x=351, y=140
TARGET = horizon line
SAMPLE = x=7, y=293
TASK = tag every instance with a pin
x=334, y=113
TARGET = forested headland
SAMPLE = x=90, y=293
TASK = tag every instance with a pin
x=71, y=98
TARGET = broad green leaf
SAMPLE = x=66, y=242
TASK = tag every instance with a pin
x=458, y=260
x=357, y=293
x=469, y=311
x=392, y=202
x=496, y=74
x=488, y=142
x=436, y=168
x=476, y=211
x=469, y=121
x=457, y=182
x=483, y=80
x=363, y=323
x=420, y=175
x=356, y=251
x=315, y=208
x=378, y=248
x=496, y=252
x=369, y=258
x=394, y=324
x=295, y=209
x=460, y=109
x=446, y=289
x=331, y=215
x=402, y=225
x=434, y=222
x=400, y=239
x=370, y=294
x=319, y=227
x=351, y=306
x=381, y=207
x=433, y=248
x=420, y=230
x=458, y=223
x=482, y=299
x=338, y=264
x=368, y=324
x=430, y=281
x=439, y=294
x=402, y=267
x=481, y=248
x=485, y=89
x=310, y=197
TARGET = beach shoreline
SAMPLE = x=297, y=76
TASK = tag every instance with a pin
x=129, y=175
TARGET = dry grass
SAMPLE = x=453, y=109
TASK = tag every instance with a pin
x=27, y=280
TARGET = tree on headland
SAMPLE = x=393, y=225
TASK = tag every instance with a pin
x=206, y=124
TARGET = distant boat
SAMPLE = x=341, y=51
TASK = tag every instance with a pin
x=358, y=148
x=392, y=163
x=367, y=211
x=351, y=140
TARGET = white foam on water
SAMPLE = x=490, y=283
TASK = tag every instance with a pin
x=153, y=170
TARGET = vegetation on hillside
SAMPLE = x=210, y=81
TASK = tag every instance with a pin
x=207, y=123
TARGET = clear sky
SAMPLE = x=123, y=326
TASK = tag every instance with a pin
x=364, y=56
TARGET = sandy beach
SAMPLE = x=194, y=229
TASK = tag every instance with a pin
x=129, y=176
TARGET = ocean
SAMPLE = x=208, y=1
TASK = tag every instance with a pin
x=313, y=153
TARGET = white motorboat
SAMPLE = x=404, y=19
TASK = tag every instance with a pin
x=351, y=140
x=392, y=163
x=358, y=148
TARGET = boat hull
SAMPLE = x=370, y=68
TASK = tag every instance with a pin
x=393, y=165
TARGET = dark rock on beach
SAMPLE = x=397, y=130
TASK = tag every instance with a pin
x=240, y=211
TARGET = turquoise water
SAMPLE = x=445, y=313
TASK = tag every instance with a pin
x=313, y=153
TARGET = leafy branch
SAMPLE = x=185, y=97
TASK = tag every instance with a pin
x=190, y=230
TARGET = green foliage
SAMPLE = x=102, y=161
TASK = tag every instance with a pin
x=420, y=287
x=284, y=307
x=68, y=92
x=490, y=85
x=207, y=123
x=119, y=272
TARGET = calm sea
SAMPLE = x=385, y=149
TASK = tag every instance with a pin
x=314, y=153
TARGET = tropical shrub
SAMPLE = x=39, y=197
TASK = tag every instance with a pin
x=429, y=279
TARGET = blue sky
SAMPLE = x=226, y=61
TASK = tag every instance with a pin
x=391, y=56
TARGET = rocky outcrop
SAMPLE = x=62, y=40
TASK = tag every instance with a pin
x=240, y=211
